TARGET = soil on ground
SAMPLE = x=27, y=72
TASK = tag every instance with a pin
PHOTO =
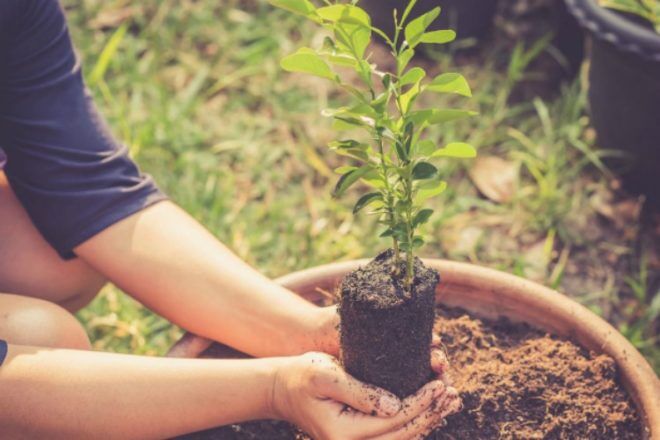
x=516, y=382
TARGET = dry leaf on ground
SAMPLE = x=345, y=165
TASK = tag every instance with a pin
x=111, y=18
x=495, y=178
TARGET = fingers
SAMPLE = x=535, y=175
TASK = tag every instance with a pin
x=326, y=337
x=334, y=383
x=413, y=406
x=440, y=365
x=425, y=423
x=439, y=362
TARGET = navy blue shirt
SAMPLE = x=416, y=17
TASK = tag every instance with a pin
x=73, y=178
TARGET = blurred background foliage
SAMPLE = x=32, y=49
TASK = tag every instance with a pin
x=195, y=89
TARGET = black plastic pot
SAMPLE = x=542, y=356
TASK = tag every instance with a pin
x=469, y=18
x=624, y=92
x=569, y=38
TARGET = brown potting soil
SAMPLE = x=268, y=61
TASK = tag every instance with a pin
x=385, y=330
x=516, y=382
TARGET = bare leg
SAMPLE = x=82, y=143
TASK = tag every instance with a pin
x=30, y=267
x=35, y=322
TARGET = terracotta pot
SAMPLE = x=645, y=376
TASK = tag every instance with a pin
x=490, y=294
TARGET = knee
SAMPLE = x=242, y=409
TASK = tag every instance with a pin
x=82, y=291
x=42, y=324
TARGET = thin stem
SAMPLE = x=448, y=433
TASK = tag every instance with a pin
x=410, y=231
x=389, y=201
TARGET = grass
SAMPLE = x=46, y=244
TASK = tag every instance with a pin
x=195, y=89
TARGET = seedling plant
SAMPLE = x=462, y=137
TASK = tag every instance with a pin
x=394, y=156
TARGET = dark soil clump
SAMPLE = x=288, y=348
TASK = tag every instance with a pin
x=516, y=382
x=386, y=331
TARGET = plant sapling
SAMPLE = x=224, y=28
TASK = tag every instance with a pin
x=386, y=308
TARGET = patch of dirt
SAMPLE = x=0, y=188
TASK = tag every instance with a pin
x=515, y=381
x=518, y=382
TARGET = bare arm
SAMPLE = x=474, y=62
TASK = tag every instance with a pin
x=79, y=394
x=170, y=263
x=70, y=394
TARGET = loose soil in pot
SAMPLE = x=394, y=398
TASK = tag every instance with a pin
x=385, y=330
x=516, y=382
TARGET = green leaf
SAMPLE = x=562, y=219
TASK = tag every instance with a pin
x=426, y=147
x=389, y=232
x=430, y=189
x=351, y=148
x=386, y=80
x=350, y=21
x=456, y=149
x=361, y=38
x=416, y=28
x=340, y=125
x=374, y=179
x=343, y=39
x=361, y=121
x=366, y=200
x=424, y=170
x=437, y=116
x=417, y=242
x=404, y=58
x=379, y=104
x=348, y=179
x=414, y=75
x=401, y=152
x=349, y=14
x=347, y=143
x=301, y=7
x=409, y=97
x=345, y=169
x=422, y=217
x=406, y=12
x=401, y=207
x=355, y=153
x=305, y=60
x=438, y=37
x=450, y=83
x=408, y=137
x=330, y=112
x=341, y=59
x=399, y=232
x=362, y=109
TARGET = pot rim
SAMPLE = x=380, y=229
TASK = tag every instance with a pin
x=491, y=293
x=611, y=27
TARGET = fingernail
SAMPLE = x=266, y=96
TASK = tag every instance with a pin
x=438, y=354
x=452, y=392
x=439, y=362
x=390, y=404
